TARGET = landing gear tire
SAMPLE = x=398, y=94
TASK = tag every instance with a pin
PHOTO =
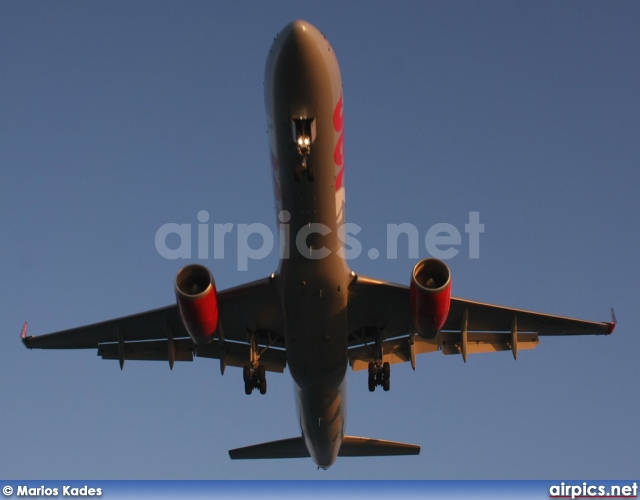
x=379, y=376
x=262, y=379
x=310, y=173
x=254, y=379
x=297, y=172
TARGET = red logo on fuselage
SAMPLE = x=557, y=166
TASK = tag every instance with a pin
x=338, y=153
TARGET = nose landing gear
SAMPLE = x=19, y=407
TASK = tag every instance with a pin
x=301, y=167
x=304, y=133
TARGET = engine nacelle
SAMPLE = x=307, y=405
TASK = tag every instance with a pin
x=430, y=292
x=198, y=302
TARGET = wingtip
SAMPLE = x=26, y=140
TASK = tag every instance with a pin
x=614, y=321
x=23, y=336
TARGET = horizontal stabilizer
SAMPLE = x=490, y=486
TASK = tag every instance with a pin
x=352, y=446
x=284, y=448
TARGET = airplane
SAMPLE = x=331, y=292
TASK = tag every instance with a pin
x=314, y=314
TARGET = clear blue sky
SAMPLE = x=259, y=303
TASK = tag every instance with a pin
x=118, y=117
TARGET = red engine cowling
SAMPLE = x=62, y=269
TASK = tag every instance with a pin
x=198, y=302
x=430, y=293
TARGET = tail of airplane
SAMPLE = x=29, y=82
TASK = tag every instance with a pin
x=352, y=446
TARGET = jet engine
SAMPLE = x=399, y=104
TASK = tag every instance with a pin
x=430, y=294
x=198, y=302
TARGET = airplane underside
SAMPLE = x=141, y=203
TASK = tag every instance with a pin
x=314, y=314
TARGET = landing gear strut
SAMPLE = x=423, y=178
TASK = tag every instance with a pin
x=301, y=167
x=379, y=374
x=254, y=374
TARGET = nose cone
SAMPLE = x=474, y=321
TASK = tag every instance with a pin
x=301, y=65
x=297, y=28
x=302, y=36
x=299, y=47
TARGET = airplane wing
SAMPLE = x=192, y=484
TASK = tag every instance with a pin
x=380, y=321
x=253, y=308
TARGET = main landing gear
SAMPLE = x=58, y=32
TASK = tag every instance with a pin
x=379, y=374
x=254, y=379
x=254, y=374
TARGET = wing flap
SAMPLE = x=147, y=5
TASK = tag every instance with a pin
x=234, y=353
x=153, y=350
x=482, y=342
x=237, y=354
x=397, y=350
